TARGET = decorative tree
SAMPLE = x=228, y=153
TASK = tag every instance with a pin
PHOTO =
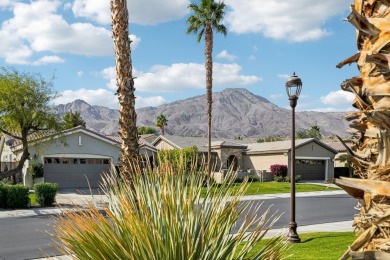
x=162, y=122
x=371, y=150
x=125, y=81
x=72, y=119
x=25, y=110
x=206, y=17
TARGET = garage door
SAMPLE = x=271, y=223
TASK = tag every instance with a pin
x=75, y=172
x=310, y=169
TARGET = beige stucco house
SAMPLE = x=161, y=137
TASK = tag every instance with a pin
x=314, y=159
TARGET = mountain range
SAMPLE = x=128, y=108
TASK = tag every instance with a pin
x=236, y=112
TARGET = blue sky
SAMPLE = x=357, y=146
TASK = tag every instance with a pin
x=267, y=41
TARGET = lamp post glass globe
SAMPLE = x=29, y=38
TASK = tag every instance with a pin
x=293, y=88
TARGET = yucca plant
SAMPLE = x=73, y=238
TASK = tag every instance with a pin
x=161, y=215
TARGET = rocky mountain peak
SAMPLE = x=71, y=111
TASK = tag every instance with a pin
x=236, y=112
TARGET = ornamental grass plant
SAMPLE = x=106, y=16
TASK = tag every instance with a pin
x=159, y=214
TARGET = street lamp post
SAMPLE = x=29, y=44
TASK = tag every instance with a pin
x=293, y=88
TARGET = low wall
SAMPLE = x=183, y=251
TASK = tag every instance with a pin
x=262, y=176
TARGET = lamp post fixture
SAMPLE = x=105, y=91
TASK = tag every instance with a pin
x=293, y=88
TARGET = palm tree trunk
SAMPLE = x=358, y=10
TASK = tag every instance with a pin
x=209, y=89
x=371, y=150
x=125, y=82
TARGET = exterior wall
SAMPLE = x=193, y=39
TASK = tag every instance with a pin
x=262, y=162
x=337, y=163
x=71, y=146
x=162, y=145
x=314, y=151
x=225, y=153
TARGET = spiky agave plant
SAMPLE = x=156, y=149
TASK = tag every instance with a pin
x=371, y=124
x=165, y=217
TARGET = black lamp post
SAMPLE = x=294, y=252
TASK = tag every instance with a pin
x=293, y=88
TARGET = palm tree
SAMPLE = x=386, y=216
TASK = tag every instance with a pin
x=125, y=82
x=207, y=17
x=162, y=122
x=371, y=150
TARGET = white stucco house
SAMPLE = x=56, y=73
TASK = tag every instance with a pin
x=76, y=158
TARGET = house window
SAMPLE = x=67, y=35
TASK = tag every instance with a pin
x=65, y=160
x=98, y=161
x=83, y=161
x=80, y=140
x=106, y=161
x=91, y=161
x=75, y=161
x=56, y=160
x=48, y=160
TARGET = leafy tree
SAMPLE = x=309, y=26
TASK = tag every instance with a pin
x=144, y=130
x=25, y=109
x=71, y=120
x=207, y=17
x=125, y=81
x=313, y=132
x=162, y=122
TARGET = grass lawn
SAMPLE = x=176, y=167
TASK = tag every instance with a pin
x=281, y=187
x=323, y=245
x=32, y=199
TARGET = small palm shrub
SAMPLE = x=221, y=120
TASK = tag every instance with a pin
x=161, y=215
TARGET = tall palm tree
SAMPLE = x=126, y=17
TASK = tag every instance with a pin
x=125, y=82
x=162, y=122
x=371, y=150
x=206, y=18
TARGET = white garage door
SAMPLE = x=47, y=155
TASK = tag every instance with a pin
x=75, y=172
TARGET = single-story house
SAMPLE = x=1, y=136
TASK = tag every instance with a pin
x=314, y=159
x=75, y=158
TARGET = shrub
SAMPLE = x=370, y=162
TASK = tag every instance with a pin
x=161, y=215
x=279, y=170
x=287, y=179
x=298, y=178
x=15, y=196
x=278, y=178
x=3, y=197
x=45, y=193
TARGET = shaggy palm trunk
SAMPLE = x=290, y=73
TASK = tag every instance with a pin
x=209, y=90
x=371, y=125
x=125, y=82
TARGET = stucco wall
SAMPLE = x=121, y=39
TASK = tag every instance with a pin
x=162, y=145
x=262, y=162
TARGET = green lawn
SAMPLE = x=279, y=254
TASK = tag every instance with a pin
x=281, y=187
x=323, y=245
x=32, y=199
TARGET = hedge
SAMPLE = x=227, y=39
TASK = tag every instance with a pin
x=13, y=196
x=45, y=193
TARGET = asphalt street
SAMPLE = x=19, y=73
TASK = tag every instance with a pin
x=29, y=237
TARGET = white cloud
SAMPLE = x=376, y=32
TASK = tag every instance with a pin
x=276, y=96
x=295, y=21
x=225, y=55
x=80, y=73
x=37, y=27
x=149, y=101
x=47, y=60
x=338, y=98
x=182, y=76
x=145, y=12
x=6, y=3
x=103, y=97
x=283, y=76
